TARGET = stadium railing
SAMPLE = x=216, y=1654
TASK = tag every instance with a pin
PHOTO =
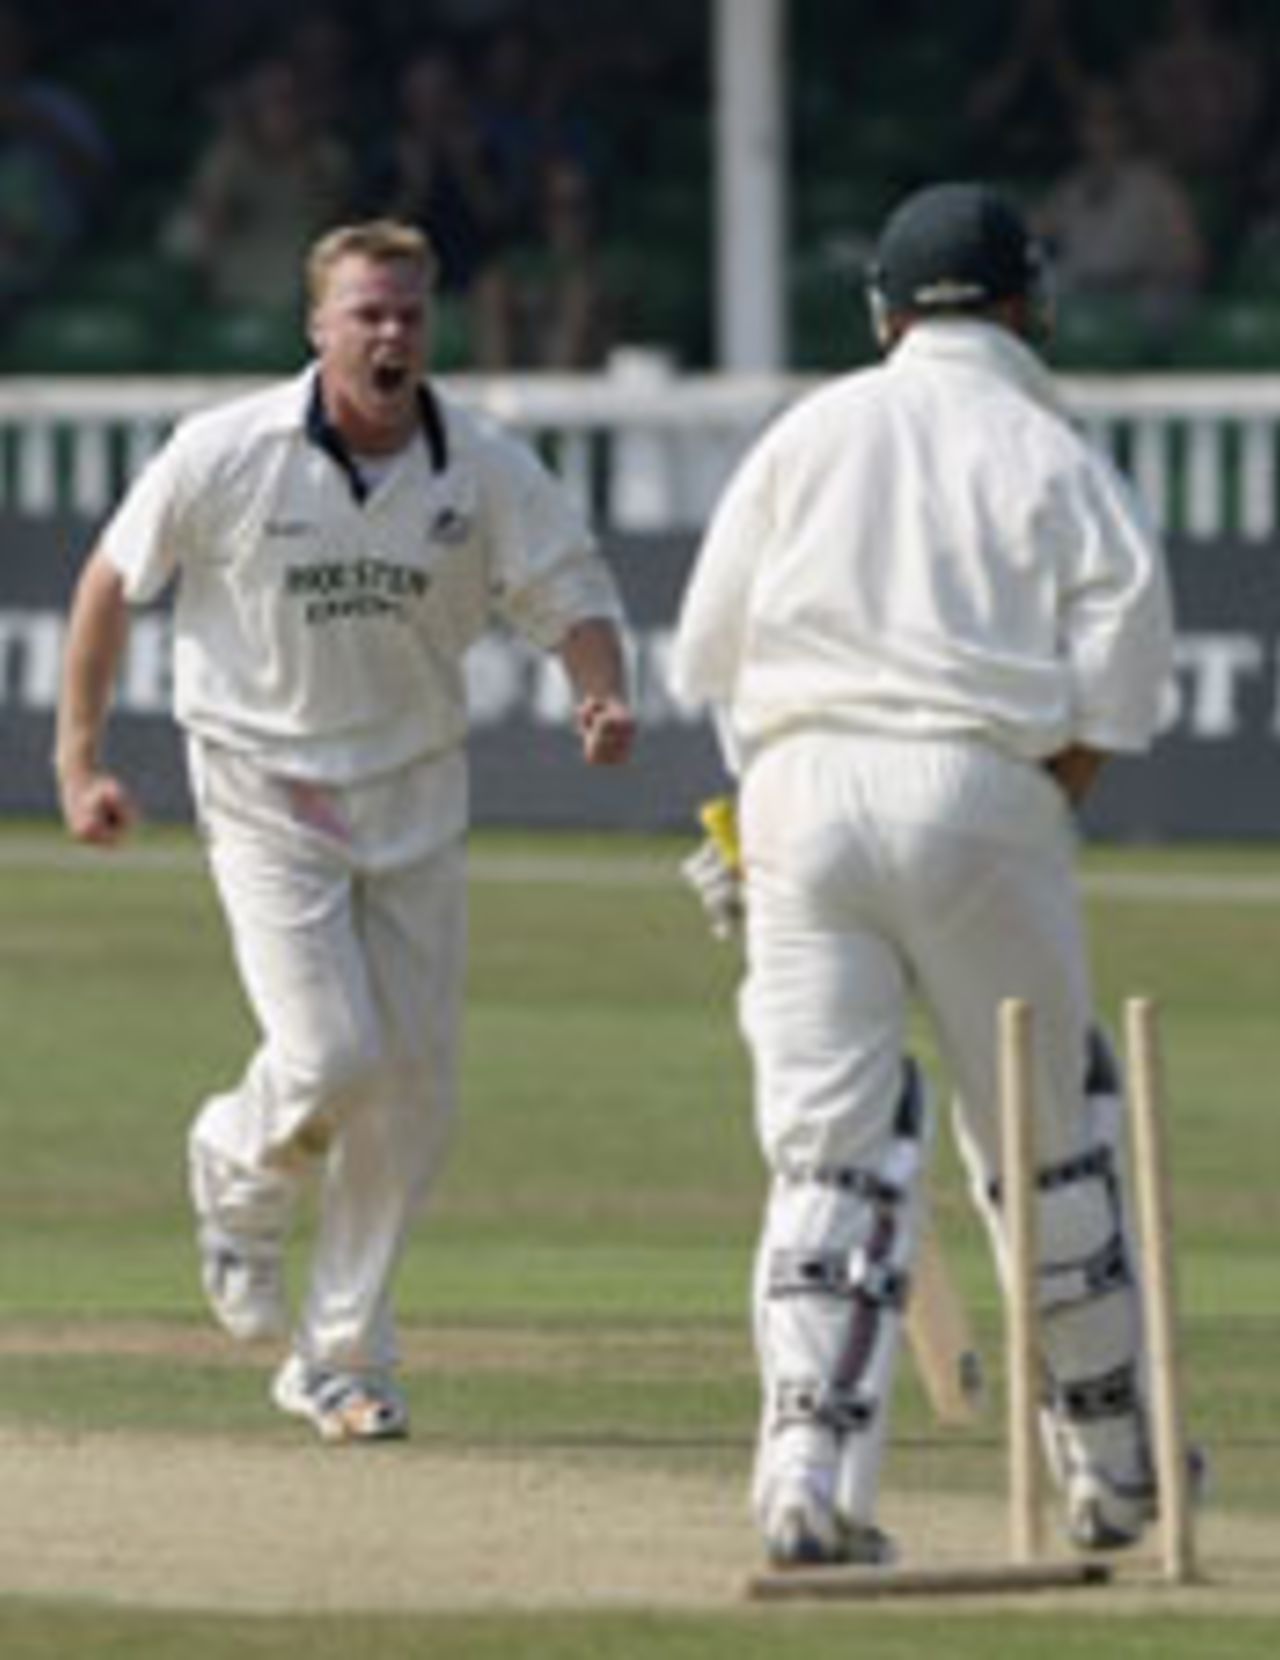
x=646, y=447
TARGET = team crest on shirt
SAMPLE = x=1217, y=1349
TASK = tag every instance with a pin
x=449, y=527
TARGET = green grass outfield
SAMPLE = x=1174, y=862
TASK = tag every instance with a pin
x=583, y=1268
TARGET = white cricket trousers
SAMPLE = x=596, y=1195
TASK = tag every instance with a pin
x=353, y=970
x=880, y=871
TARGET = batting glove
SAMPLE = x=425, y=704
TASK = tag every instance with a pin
x=714, y=870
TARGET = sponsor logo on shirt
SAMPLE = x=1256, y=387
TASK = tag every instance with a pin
x=337, y=590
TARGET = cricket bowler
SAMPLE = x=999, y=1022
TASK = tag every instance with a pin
x=335, y=543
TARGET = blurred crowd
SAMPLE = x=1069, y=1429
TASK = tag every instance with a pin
x=490, y=154
x=1159, y=162
x=471, y=120
x=1143, y=138
x=54, y=164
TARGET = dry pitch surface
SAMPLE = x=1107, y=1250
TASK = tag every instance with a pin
x=282, y=1527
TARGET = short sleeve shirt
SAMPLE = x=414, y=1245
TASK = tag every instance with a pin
x=322, y=633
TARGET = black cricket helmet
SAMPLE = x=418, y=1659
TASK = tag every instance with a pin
x=955, y=248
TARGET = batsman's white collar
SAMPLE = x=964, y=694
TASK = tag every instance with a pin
x=986, y=345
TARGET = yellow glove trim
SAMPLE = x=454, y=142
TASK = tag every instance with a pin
x=719, y=818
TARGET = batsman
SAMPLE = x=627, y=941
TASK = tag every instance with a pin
x=923, y=615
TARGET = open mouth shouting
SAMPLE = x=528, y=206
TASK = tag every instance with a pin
x=390, y=377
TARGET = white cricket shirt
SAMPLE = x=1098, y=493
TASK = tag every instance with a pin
x=927, y=548
x=322, y=634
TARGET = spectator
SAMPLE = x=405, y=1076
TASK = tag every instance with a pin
x=54, y=160
x=1197, y=91
x=1121, y=226
x=214, y=41
x=436, y=173
x=563, y=297
x=525, y=117
x=265, y=187
x=1018, y=110
x=320, y=47
x=1254, y=255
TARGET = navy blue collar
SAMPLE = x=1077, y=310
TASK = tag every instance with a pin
x=321, y=432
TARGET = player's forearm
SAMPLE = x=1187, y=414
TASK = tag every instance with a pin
x=593, y=658
x=592, y=655
x=96, y=636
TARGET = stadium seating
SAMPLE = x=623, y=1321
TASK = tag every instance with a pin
x=82, y=337
x=868, y=118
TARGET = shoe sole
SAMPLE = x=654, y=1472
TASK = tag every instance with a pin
x=1091, y=1531
x=360, y=1419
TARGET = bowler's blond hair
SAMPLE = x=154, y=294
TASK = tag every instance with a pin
x=381, y=240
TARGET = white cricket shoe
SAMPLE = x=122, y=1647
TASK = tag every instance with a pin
x=1106, y=1515
x=343, y=1406
x=801, y=1531
x=244, y=1284
x=1102, y=1515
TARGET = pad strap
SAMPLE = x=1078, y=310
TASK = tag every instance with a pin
x=1116, y=1394
x=835, y=1406
x=869, y=1275
x=838, y=1274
